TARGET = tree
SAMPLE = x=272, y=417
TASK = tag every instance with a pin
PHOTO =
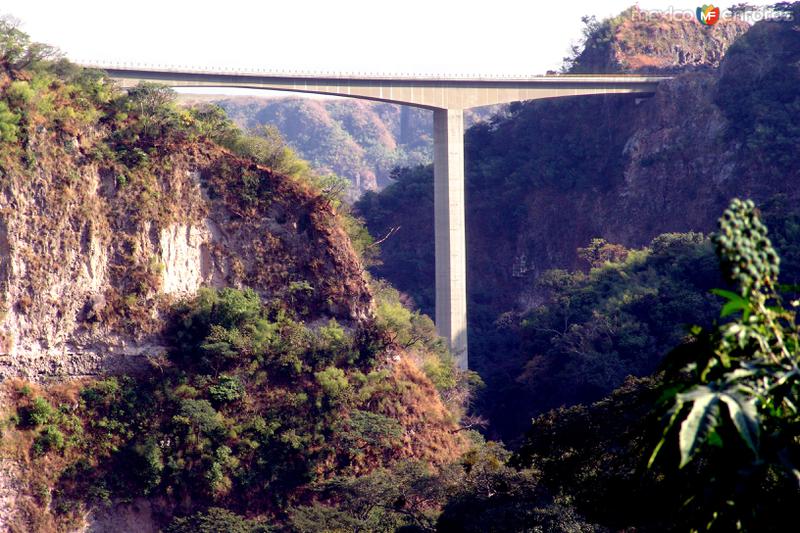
x=17, y=51
x=215, y=520
x=152, y=101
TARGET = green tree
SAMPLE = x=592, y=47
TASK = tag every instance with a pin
x=216, y=520
x=17, y=51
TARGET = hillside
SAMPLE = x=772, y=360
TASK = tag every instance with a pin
x=185, y=327
x=648, y=42
x=359, y=140
x=191, y=342
x=552, y=176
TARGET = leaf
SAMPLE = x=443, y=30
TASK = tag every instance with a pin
x=744, y=415
x=732, y=307
x=728, y=295
x=701, y=420
x=739, y=374
x=674, y=412
x=734, y=304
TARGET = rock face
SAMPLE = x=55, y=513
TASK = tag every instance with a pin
x=640, y=41
x=90, y=263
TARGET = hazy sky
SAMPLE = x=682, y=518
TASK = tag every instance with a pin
x=428, y=36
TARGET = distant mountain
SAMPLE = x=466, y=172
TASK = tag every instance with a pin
x=357, y=139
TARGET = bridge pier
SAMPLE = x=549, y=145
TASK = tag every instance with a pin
x=450, y=237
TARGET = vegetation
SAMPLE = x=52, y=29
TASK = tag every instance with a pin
x=710, y=443
x=733, y=406
x=256, y=401
x=359, y=141
x=252, y=411
x=594, y=329
x=264, y=414
x=543, y=170
x=762, y=107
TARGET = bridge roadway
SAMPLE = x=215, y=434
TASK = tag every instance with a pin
x=447, y=97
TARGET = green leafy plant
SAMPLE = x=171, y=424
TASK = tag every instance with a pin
x=734, y=404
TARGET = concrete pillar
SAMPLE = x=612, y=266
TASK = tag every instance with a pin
x=451, y=257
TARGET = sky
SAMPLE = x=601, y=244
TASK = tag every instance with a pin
x=488, y=37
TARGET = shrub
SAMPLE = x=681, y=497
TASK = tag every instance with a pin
x=215, y=520
x=19, y=94
x=364, y=428
x=143, y=464
x=38, y=413
x=227, y=389
x=333, y=381
x=200, y=417
x=9, y=124
x=50, y=438
x=732, y=418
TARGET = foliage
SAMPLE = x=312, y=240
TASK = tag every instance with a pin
x=361, y=143
x=215, y=520
x=38, y=413
x=597, y=36
x=9, y=122
x=17, y=51
x=594, y=329
x=250, y=405
x=50, y=438
x=152, y=102
x=228, y=389
x=416, y=331
x=252, y=408
x=734, y=403
x=333, y=382
x=761, y=105
x=494, y=496
x=267, y=147
x=480, y=492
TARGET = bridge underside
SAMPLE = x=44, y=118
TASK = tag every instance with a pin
x=425, y=93
x=447, y=98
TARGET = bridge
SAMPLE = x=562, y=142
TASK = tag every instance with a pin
x=447, y=97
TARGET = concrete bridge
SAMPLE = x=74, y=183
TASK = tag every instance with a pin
x=447, y=97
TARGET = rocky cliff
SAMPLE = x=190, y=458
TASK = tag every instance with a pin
x=89, y=262
x=174, y=307
x=646, y=41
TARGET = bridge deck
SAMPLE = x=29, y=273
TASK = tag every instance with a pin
x=432, y=92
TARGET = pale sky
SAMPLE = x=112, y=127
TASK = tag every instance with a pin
x=402, y=36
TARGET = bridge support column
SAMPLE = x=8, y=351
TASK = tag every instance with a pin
x=450, y=238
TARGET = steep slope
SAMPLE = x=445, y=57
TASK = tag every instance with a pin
x=183, y=327
x=653, y=42
x=94, y=252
